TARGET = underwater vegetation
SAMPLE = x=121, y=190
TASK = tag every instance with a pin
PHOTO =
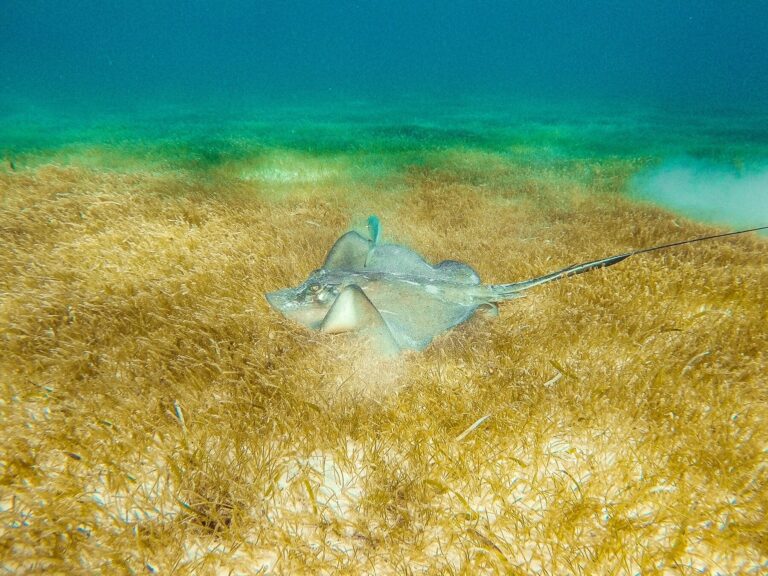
x=159, y=417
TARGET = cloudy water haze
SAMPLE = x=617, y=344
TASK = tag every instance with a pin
x=697, y=52
x=655, y=80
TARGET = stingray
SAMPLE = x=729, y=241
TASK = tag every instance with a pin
x=389, y=294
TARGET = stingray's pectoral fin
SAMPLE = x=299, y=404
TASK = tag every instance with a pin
x=353, y=311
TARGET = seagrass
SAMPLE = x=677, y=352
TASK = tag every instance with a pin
x=158, y=416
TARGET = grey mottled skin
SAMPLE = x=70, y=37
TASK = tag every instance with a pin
x=410, y=300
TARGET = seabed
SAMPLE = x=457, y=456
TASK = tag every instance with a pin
x=159, y=417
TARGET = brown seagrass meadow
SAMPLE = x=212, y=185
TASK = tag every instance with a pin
x=159, y=417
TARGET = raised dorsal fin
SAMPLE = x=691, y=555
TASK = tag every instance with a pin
x=374, y=229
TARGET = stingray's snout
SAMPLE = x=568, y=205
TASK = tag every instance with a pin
x=291, y=304
x=281, y=300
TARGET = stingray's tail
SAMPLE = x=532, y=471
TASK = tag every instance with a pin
x=514, y=290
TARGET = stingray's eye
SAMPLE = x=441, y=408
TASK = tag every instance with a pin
x=314, y=288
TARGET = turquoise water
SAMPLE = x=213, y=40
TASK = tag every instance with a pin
x=701, y=51
x=674, y=93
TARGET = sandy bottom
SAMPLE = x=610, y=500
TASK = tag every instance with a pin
x=158, y=417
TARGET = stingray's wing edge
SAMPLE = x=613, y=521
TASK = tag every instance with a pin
x=353, y=311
